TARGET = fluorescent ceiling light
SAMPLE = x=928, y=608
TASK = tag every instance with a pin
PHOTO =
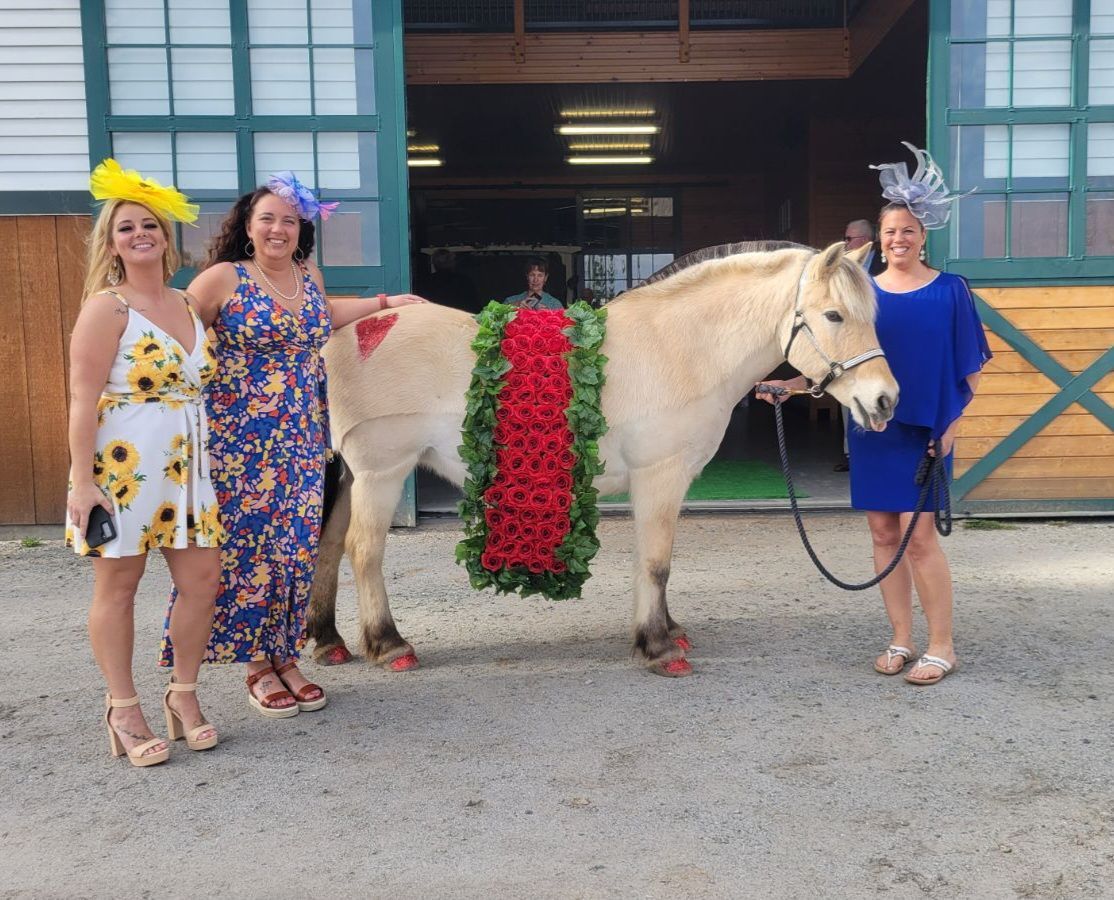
x=608, y=160
x=609, y=113
x=608, y=129
x=604, y=210
x=423, y=148
x=609, y=145
x=424, y=162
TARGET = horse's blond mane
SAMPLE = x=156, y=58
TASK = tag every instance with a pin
x=847, y=279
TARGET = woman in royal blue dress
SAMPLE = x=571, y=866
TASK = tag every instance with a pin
x=934, y=343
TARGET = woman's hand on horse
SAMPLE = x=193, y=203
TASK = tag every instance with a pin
x=80, y=500
x=404, y=300
x=792, y=384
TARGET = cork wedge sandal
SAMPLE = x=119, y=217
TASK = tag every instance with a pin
x=264, y=707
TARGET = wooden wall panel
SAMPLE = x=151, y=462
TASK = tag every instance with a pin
x=1017, y=404
x=1064, y=339
x=71, y=233
x=39, y=303
x=1043, y=489
x=1072, y=458
x=17, y=490
x=46, y=367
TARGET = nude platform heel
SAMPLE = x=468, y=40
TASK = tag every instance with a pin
x=176, y=728
x=135, y=755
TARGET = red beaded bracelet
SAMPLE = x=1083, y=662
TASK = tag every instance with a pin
x=382, y=298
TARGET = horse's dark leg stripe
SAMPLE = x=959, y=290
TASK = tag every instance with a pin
x=382, y=639
x=652, y=637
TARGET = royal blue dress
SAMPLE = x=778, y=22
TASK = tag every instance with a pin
x=933, y=340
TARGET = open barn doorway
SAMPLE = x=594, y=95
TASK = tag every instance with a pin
x=726, y=161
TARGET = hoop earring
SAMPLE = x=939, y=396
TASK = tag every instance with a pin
x=114, y=276
x=298, y=254
x=250, y=254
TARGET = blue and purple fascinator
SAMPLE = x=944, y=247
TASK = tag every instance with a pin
x=286, y=186
x=925, y=193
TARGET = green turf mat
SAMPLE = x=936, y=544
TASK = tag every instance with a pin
x=731, y=479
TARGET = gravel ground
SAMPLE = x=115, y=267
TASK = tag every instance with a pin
x=530, y=757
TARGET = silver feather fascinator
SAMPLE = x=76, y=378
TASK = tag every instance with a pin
x=925, y=193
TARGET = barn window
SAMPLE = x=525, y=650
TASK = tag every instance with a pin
x=213, y=96
x=1022, y=111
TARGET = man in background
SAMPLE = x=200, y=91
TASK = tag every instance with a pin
x=449, y=287
x=860, y=232
x=535, y=297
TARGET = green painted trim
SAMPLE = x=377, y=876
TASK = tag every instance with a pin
x=233, y=123
x=936, y=103
x=45, y=203
x=1038, y=270
x=93, y=40
x=394, y=185
x=1072, y=392
x=1029, y=115
x=1095, y=281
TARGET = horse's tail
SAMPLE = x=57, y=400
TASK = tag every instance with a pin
x=338, y=478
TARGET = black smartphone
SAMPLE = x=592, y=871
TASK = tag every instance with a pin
x=100, y=528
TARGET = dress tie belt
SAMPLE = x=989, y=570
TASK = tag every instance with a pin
x=197, y=422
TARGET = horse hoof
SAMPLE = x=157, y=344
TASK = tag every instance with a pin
x=336, y=657
x=406, y=663
x=675, y=668
x=682, y=641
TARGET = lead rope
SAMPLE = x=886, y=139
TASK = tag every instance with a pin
x=933, y=479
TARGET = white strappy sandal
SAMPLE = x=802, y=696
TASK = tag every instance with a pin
x=895, y=651
x=946, y=668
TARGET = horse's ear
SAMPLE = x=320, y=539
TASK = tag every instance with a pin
x=830, y=258
x=859, y=254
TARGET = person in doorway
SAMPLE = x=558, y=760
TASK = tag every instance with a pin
x=265, y=300
x=857, y=233
x=935, y=345
x=449, y=287
x=535, y=297
x=139, y=359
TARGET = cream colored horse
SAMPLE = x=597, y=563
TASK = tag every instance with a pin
x=682, y=351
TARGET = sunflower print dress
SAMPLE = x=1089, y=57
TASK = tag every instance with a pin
x=151, y=456
x=269, y=421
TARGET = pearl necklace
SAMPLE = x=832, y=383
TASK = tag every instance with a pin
x=297, y=281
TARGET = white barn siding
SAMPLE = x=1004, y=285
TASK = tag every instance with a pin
x=44, y=140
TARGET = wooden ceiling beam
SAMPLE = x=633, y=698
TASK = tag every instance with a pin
x=610, y=57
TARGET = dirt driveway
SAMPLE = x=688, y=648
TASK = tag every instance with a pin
x=530, y=758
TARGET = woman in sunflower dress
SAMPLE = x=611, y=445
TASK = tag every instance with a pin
x=265, y=301
x=139, y=360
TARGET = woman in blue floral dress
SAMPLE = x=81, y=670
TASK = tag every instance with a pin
x=265, y=301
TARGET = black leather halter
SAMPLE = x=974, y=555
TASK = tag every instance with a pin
x=835, y=369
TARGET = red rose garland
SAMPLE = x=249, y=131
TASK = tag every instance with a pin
x=530, y=435
x=529, y=498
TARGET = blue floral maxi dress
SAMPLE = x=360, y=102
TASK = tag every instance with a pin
x=269, y=432
x=933, y=340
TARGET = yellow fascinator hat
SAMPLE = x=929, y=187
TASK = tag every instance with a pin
x=110, y=181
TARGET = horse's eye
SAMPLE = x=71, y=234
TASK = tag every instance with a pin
x=833, y=316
